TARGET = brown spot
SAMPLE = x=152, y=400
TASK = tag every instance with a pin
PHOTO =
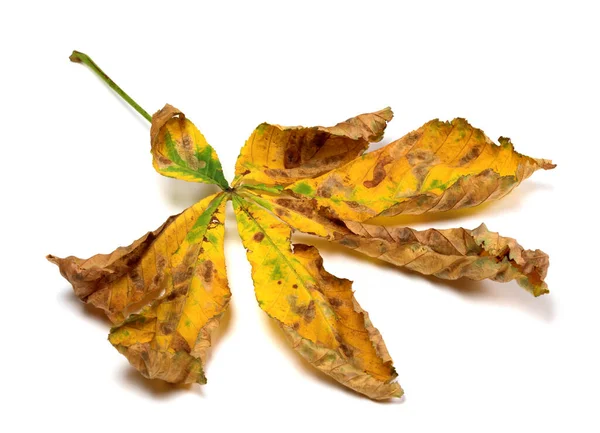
x=347, y=350
x=470, y=155
x=291, y=158
x=411, y=138
x=346, y=241
x=178, y=343
x=295, y=286
x=162, y=160
x=320, y=139
x=330, y=160
x=281, y=212
x=279, y=282
x=301, y=206
x=335, y=302
x=208, y=269
x=187, y=142
x=245, y=172
x=167, y=328
x=180, y=291
x=420, y=156
x=258, y=236
x=324, y=190
x=379, y=172
x=295, y=326
x=310, y=312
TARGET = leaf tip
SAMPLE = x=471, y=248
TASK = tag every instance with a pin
x=540, y=290
x=387, y=113
x=53, y=259
x=399, y=393
x=546, y=164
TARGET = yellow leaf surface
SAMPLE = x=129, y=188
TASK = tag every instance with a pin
x=168, y=339
x=316, y=310
x=180, y=150
x=439, y=167
x=280, y=155
x=449, y=254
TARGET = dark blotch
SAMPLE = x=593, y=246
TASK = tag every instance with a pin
x=310, y=312
x=347, y=350
x=378, y=172
x=335, y=302
x=258, y=236
x=167, y=328
x=208, y=271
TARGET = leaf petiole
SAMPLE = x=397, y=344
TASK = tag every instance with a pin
x=78, y=57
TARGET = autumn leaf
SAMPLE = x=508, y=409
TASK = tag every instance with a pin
x=167, y=292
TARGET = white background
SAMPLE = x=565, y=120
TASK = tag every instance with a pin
x=77, y=179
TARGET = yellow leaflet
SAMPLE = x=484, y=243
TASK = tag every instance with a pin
x=169, y=338
x=316, y=310
x=281, y=154
x=449, y=254
x=440, y=166
x=179, y=150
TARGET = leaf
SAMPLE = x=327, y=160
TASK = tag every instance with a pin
x=169, y=339
x=316, y=310
x=179, y=150
x=439, y=167
x=449, y=254
x=316, y=180
x=280, y=155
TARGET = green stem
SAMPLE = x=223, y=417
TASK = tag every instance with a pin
x=78, y=57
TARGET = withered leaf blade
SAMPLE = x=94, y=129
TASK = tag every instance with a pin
x=439, y=167
x=180, y=150
x=169, y=339
x=316, y=310
x=117, y=281
x=280, y=155
x=448, y=254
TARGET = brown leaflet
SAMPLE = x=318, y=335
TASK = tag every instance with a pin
x=452, y=253
x=449, y=254
x=94, y=279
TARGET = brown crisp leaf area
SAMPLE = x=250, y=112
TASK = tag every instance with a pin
x=167, y=292
x=117, y=281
